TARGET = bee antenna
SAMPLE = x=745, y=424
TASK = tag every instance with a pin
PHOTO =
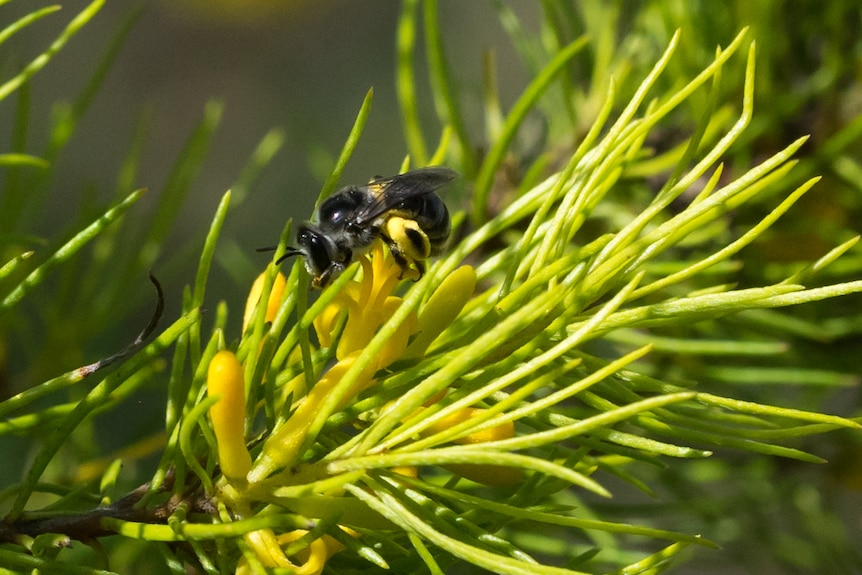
x=289, y=253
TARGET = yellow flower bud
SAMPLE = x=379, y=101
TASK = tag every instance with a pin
x=407, y=471
x=368, y=305
x=275, y=297
x=442, y=308
x=480, y=473
x=396, y=345
x=225, y=380
x=281, y=449
x=503, y=431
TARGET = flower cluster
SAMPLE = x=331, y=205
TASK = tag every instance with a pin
x=349, y=322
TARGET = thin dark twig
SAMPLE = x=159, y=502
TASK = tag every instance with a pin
x=87, y=525
x=138, y=342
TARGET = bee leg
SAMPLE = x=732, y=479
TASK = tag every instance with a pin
x=323, y=279
x=331, y=271
x=398, y=256
x=408, y=243
x=420, y=268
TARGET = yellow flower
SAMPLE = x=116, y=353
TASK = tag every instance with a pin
x=442, y=308
x=368, y=305
x=269, y=550
x=225, y=380
x=503, y=431
x=281, y=449
x=275, y=297
x=480, y=473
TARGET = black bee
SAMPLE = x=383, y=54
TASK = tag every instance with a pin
x=404, y=211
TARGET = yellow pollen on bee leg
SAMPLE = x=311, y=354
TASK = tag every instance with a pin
x=411, y=240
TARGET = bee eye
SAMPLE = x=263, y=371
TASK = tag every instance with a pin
x=317, y=247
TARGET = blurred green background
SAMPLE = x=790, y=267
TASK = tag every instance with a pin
x=302, y=66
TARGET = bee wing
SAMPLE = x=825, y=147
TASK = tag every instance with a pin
x=389, y=192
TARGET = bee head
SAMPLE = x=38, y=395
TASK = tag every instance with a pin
x=323, y=259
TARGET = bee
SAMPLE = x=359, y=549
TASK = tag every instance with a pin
x=403, y=211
